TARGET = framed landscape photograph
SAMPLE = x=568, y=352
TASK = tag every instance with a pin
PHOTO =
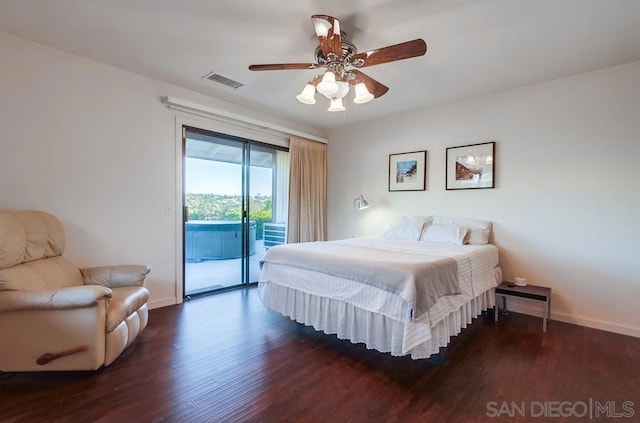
x=408, y=171
x=471, y=166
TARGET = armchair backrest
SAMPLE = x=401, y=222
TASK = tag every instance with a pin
x=31, y=247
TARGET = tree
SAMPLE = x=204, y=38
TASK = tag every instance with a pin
x=229, y=207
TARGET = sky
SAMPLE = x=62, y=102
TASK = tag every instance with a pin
x=211, y=177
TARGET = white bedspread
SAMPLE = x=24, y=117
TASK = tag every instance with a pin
x=416, y=275
x=475, y=263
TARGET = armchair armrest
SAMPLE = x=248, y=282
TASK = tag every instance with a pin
x=53, y=299
x=115, y=276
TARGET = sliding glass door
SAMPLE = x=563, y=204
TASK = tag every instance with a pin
x=235, y=196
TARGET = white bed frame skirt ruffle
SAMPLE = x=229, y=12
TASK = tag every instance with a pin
x=377, y=331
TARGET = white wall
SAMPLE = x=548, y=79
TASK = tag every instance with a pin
x=567, y=200
x=95, y=146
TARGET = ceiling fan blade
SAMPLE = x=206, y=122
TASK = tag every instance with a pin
x=392, y=53
x=283, y=66
x=374, y=87
x=328, y=32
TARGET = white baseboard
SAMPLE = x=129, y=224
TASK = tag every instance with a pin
x=597, y=324
x=533, y=309
x=162, y=302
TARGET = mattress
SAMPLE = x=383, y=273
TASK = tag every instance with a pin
x=381, y=319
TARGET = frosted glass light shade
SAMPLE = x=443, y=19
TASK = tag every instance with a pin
x=362, y=94
x=343, y=89
x=336, y=105
x=321, y=26
x=336, y=26
x=328, y=86
x=307, y=96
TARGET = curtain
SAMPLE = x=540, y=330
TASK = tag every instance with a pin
x=281, y=197
x=307, y=191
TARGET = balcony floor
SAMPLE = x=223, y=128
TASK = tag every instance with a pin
x=209, y=275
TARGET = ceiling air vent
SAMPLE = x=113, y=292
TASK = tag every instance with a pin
x=215, y=77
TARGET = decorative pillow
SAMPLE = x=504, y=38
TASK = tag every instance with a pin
x=479, y=230
x=406, y=227
x=445, y=234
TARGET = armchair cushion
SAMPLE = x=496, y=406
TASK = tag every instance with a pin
x=54, y=272
x=115, y=276
x=27, y=235
x=123, y=303
x=53, y=299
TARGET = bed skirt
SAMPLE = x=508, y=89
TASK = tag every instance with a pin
x=377, y=331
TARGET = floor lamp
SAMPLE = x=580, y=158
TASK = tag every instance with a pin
x=358, y=204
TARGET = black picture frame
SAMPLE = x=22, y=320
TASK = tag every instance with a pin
x=471, y=166
x=408, y=171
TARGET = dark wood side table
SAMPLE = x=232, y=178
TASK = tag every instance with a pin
x=528, y=292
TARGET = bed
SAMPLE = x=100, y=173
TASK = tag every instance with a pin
x=406, y=292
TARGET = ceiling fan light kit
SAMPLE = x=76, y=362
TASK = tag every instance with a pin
x=321, y=26
x=307, y=95
x=336, y=105
x=362, y=94
x=341, y=60
x=328, y=86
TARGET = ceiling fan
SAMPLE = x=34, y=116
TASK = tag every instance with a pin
x=342, y=61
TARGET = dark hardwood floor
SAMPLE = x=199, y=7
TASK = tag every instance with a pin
x=226, y=358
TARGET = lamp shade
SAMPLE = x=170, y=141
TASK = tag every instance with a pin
x=307, y=95
x=328, y=86
x=336, y=105
x=360, y=203
x=362, y=94
x=321, y=26
x=343, y=89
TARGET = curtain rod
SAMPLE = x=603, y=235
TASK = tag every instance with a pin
x=188, y=106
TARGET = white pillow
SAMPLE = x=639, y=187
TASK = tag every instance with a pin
x=406, y=227
x=445, y=234
x=479, y=230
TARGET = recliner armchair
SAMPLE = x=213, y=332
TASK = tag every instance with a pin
x=54, y=316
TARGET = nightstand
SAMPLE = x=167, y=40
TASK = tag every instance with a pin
x=528, y=292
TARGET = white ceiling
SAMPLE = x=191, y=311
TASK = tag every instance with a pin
x=474, y=46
